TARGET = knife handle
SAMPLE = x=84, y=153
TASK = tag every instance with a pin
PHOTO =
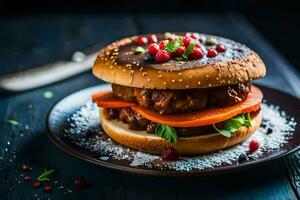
x=44, y=75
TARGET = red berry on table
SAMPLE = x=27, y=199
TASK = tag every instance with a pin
x=220, y=48
x=162, y=56
x=152, y=38
x=37, y=184
x=186, y=41
x=197, y=53
x=180, y=51
x=153, y=48
x=80, y=182
x=163, y=43
x=253, y=146
x=27, y=178
x=211, y=53
x=141, y=41
x=169, y=154
x=48, y=188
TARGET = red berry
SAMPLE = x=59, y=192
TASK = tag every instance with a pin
x=169, y=154
x=197, y=46
x=220, y=48
x=153, y=48
x=27, y=178
x=141, y=41
x=180, y=51
x=162, y=56
x=37, y=184
x=253, y=146
x=163, y=43
x=25, y=168
x=47, y=188
x=197, y=53
x=186, y=41
x=152, y=38
x=211, y=53
x=80, y=182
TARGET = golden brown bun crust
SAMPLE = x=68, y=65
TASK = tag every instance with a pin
x=150, y=143
x=112, y=66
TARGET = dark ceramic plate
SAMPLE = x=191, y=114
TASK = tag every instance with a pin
x=57, y=122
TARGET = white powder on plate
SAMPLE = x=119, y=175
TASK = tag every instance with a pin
x=84, y=131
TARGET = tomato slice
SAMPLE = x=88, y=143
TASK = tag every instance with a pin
x=207, y=116
x=108, y=100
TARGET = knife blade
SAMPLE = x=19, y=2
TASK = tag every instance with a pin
x=49, y=73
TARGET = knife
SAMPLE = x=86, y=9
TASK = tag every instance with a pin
x=49, y=73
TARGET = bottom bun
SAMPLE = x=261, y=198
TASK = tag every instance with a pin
x=150, y=143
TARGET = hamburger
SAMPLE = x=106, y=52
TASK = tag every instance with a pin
x=190, y=92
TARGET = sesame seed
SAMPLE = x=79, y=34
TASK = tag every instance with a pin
x=132, y=71
x=209, y=85
x=105, y=59
x=144, y=73
x=179, y=74
x=112, y=57
x=228, y=81
x=187, y=86
x=148, y=79
x=190, y=76
x=141, y=69
x=111, y=66
x=124, y=70
x=207, y=76
x=180, y=80
x=128, y=65
x=199, y=82
x=217, y=78
x=173, y=81
x=119, y=67
x=159, y=76
x=165, y=83
x=159, y=72
x=134, y=62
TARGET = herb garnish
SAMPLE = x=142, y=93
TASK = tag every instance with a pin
x=139, y=50
x=166, y=132
x=48, y=94
x=45, y=175
x=233, y=124
x=187, y=52
x=173, y=45
x=12, y=122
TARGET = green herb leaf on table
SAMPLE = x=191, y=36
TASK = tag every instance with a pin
x=173, y=45
x=139, y=50
x=48, y=94
x=12, y=122
x=45, y=175
x=166, y=132
x=231, y=125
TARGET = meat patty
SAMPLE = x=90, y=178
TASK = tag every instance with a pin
x=180, y=101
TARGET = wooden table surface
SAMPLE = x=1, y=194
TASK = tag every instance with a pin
x=35, y=40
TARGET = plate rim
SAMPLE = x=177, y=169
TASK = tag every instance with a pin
x=160, y=173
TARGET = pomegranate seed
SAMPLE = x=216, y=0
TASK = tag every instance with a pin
x=37, y=184
x=27, y=178
x=141, y=41
x=220, y=48
x=197, y=46
x=197, y=53
x=211, y=53
x=153, y=48
x=253, y=146
x=25, y=167
x=180, y=51
x=169, y=154
x=80, y=182
x=163, y=43
x=162, y=56
x=186, y=41
x=152, y=38
x=47, y=188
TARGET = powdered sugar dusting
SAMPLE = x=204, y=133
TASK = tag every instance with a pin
x=85, y=131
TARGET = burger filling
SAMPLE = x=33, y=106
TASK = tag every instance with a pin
x=175, y=101
x=182, y=101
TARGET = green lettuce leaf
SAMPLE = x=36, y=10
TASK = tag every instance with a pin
x=166, y=132
x=233, y=124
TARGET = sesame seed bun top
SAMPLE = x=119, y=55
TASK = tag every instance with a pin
x=119, y=64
